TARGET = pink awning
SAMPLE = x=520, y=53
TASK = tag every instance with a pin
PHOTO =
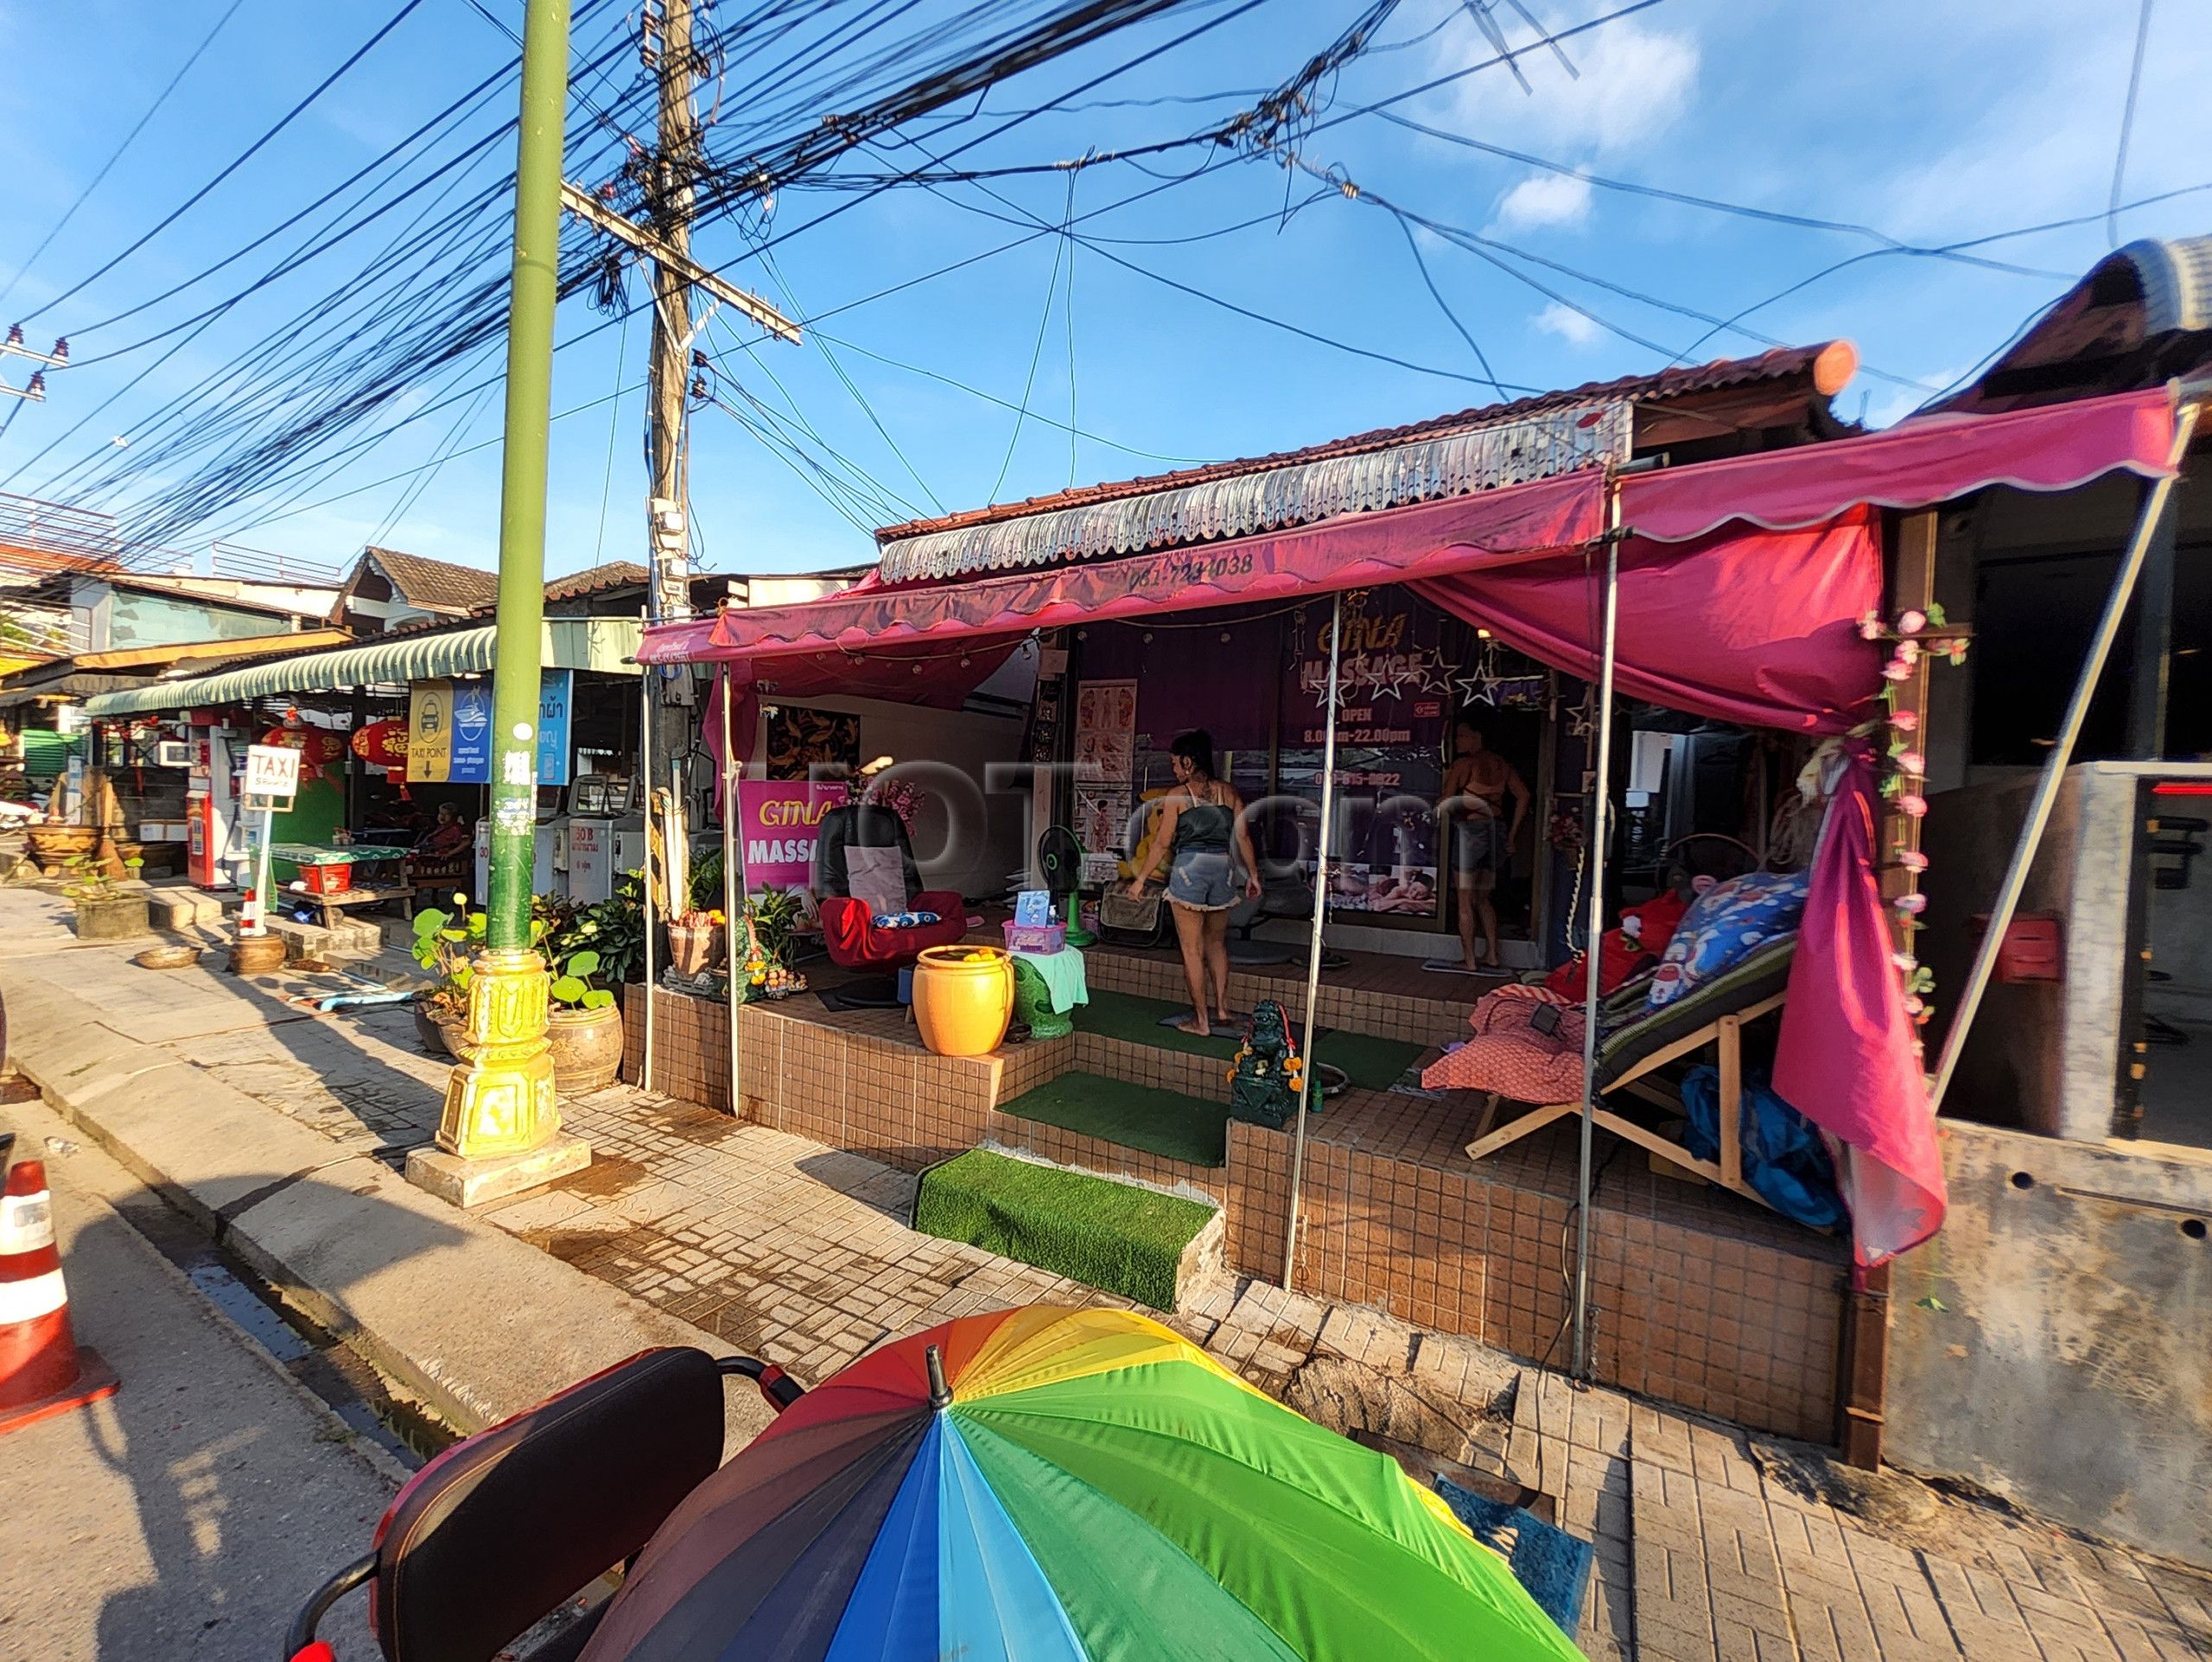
x=1916, y=464
x=1399, y=546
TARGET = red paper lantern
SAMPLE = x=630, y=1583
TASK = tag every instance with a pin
x=384, y=743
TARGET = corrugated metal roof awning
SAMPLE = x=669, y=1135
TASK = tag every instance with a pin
x=605, y=643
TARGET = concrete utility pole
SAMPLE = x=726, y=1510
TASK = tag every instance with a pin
x=500, y=1131
x=663, y=234
x=669, y=205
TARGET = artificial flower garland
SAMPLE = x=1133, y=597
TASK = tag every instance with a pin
x=1916, y=637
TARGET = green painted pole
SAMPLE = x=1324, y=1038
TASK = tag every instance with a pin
x=515, y=664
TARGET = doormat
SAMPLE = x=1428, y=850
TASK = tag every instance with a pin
x=1132, y=1115
x=1369, y=1061
x=1113, y=1236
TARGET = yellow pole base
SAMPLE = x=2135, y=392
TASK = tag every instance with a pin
x=500, y=1101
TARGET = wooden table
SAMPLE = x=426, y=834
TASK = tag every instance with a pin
x=332, y=905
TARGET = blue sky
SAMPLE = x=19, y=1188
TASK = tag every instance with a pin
x=1931, y=122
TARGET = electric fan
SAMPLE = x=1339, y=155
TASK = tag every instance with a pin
x=1059, y=857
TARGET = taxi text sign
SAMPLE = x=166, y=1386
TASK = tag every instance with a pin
x=272, y=775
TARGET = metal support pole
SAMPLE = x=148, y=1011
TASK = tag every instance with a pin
x=733, y=862
x=1594, y=935
x=646, y=778
x=1309, y=1077
x=519, y=649
x=500, y=1101
x=2061, y=752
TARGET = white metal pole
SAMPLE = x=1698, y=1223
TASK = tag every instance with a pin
x=261, y=878
x=2062, y=752
x=646, y=673
x=1310, y=1079
x=733, y=858
x=1594, y=932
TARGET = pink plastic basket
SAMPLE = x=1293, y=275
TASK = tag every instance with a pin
x=1040, y=937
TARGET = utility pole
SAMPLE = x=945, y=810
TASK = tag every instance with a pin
x=500, y=1131
x=669, y=198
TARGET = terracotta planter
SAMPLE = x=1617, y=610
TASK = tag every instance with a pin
x=54, y=846
x=112, y=917
x=586, y=1047
x=963, y=998
x=258, y=955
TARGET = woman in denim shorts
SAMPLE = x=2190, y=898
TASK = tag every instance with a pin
x=1200, y=821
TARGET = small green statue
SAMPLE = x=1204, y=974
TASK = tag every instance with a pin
x=1032, y=1003
x=1268, y=1075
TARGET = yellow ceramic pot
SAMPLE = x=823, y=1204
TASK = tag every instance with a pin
x=963, y=997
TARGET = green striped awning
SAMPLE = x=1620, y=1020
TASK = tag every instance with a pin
x=606, y=644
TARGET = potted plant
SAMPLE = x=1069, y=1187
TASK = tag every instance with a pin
x=584, y=1027
x=444, y=944
x=106, y=910
x=578, y=948
x=771, y=918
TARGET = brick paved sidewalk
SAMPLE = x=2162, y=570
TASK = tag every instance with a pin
x=1710, y=1544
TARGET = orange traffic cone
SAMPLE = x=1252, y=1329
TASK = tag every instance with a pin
x=42, y=1372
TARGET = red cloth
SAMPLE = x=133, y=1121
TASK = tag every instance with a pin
x=1508, y=1056
x=848, y=930
x=1760, y=628
x=1847, y=1061
x=1621, y=956
x=1754, y=627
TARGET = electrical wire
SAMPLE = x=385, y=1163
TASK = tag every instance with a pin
x=2128, y=123
x=1036, y=356
x=116, y=155
x=251, y=150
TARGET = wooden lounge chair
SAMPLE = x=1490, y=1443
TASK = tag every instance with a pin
x=1635, y=1043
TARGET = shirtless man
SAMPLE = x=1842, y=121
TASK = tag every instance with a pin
x=1476, y=787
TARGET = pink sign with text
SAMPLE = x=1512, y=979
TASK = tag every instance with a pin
x=777, y=823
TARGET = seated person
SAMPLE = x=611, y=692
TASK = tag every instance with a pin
x=449, y=838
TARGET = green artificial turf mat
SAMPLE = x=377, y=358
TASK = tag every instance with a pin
x=1370, y=1063
x=1113, y=1236
x=1165, y=1123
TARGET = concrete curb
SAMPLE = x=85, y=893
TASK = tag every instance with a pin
x=475, y=1322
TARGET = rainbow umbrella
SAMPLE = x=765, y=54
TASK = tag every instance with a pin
x=1051, y=1484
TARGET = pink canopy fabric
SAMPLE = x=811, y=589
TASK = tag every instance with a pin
x=1846, y=1059
x=1914, y=464
x=1397, y=545
x=1758, y=628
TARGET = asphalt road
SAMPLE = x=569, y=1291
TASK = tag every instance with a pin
x=188, y=1516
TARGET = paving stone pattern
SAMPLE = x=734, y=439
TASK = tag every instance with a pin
x=1710, y=1546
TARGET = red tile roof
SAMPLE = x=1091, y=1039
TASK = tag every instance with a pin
x=1826, y=366
x=594, y=579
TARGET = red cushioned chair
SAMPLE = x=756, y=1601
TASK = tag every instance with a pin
x=505, y=1527
x=864, y=867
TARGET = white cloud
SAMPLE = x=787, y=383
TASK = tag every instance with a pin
x=1632, y=84
x=1547, y=199
x=1568, y=324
